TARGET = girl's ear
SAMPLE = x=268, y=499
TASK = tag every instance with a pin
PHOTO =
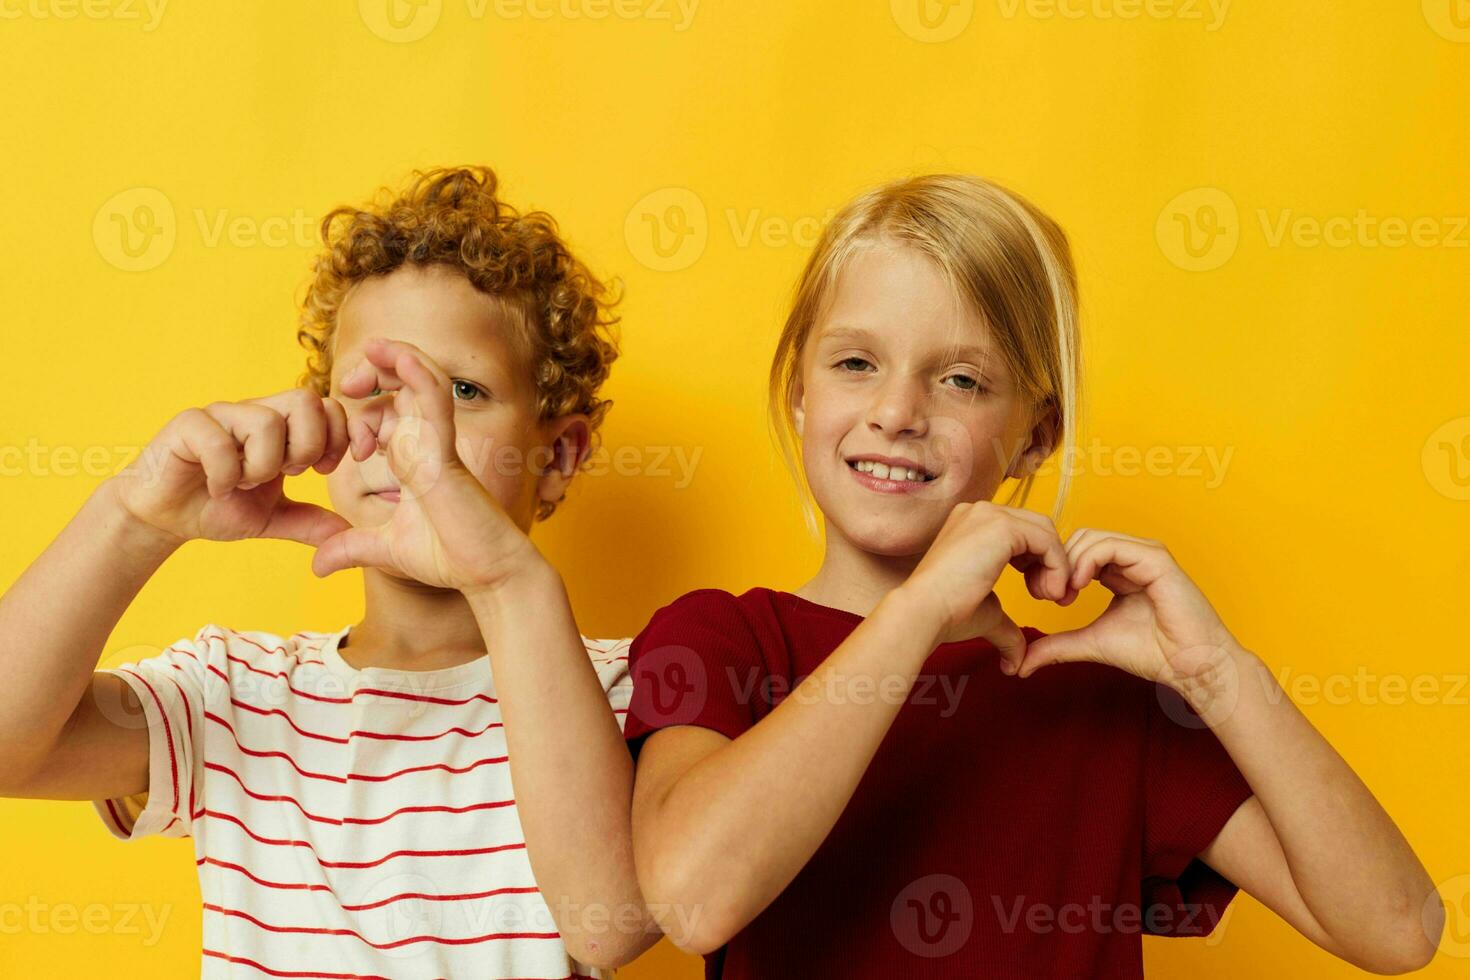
x=568, y=440
x=798, y=412
x=1042, y=440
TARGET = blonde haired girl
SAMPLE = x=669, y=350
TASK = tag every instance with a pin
x=840, y=782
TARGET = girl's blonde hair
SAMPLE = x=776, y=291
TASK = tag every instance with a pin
x=1004, y=257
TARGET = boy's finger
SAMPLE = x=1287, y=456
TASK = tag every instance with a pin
x=355, y=547
x=430, y=398
x=338, y=438
x=307, y=523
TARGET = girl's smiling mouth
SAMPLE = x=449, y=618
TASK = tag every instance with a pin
x=885, y=474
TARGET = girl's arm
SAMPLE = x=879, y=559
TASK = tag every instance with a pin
x=1312, y=843
x=571, y=770
x=721, y=826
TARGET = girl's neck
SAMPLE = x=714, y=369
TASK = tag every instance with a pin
x=855, y=580
x=410, y=626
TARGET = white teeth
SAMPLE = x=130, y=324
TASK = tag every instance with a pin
x=883, y=471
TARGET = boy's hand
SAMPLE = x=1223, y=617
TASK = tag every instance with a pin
x=216, y=472
x=446, y=530
x=1159, y=625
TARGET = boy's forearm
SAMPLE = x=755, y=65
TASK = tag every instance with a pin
x=572, y=773
x=803, y=762
x=1349, y=862
x=56, y=618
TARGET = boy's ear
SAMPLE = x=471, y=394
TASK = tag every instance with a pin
x=569, y=439
x=1045, y=431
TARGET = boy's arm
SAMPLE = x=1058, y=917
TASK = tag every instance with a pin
x=572, y=773
x=54, y=622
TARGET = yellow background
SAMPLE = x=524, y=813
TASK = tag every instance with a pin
x=1333, y=540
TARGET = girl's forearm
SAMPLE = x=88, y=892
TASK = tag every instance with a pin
x=572, y=772
x=1352, y=867
x=56, y=618
x=798, y=768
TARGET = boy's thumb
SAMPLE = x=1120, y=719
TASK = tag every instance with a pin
x=355, y=547
x=309, y=524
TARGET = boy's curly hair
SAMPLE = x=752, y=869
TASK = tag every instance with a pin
x=452, y=217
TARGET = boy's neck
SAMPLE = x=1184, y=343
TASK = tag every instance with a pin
x=855, y=580
x=410, y=626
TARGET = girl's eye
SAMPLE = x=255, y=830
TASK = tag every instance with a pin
x=964, y=382
x=466, y=390
x=854, y=363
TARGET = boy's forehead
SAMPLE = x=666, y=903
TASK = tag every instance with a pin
x=441, y=313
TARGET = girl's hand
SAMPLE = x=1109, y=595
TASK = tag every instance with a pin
x=217, y=472
x=1158, y=625
x=957, y=576
x=446, y=529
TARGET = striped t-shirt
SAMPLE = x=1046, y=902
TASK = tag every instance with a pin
x=346, y=823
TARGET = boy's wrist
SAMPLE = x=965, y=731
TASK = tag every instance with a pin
x=532, y=578
x=123, y=529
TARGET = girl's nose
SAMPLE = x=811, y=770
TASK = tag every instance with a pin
x=899, y=411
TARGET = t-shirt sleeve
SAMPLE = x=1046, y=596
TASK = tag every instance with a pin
x=1192, y=787
x=171, y=688
x=697, y=662
x=610, y=660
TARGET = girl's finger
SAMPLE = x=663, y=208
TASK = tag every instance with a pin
x=1130, y=560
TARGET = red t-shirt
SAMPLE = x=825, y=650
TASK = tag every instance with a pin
x=1005, y=828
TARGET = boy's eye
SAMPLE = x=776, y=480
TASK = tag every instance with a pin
x=376, y=391
x=466, y=390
